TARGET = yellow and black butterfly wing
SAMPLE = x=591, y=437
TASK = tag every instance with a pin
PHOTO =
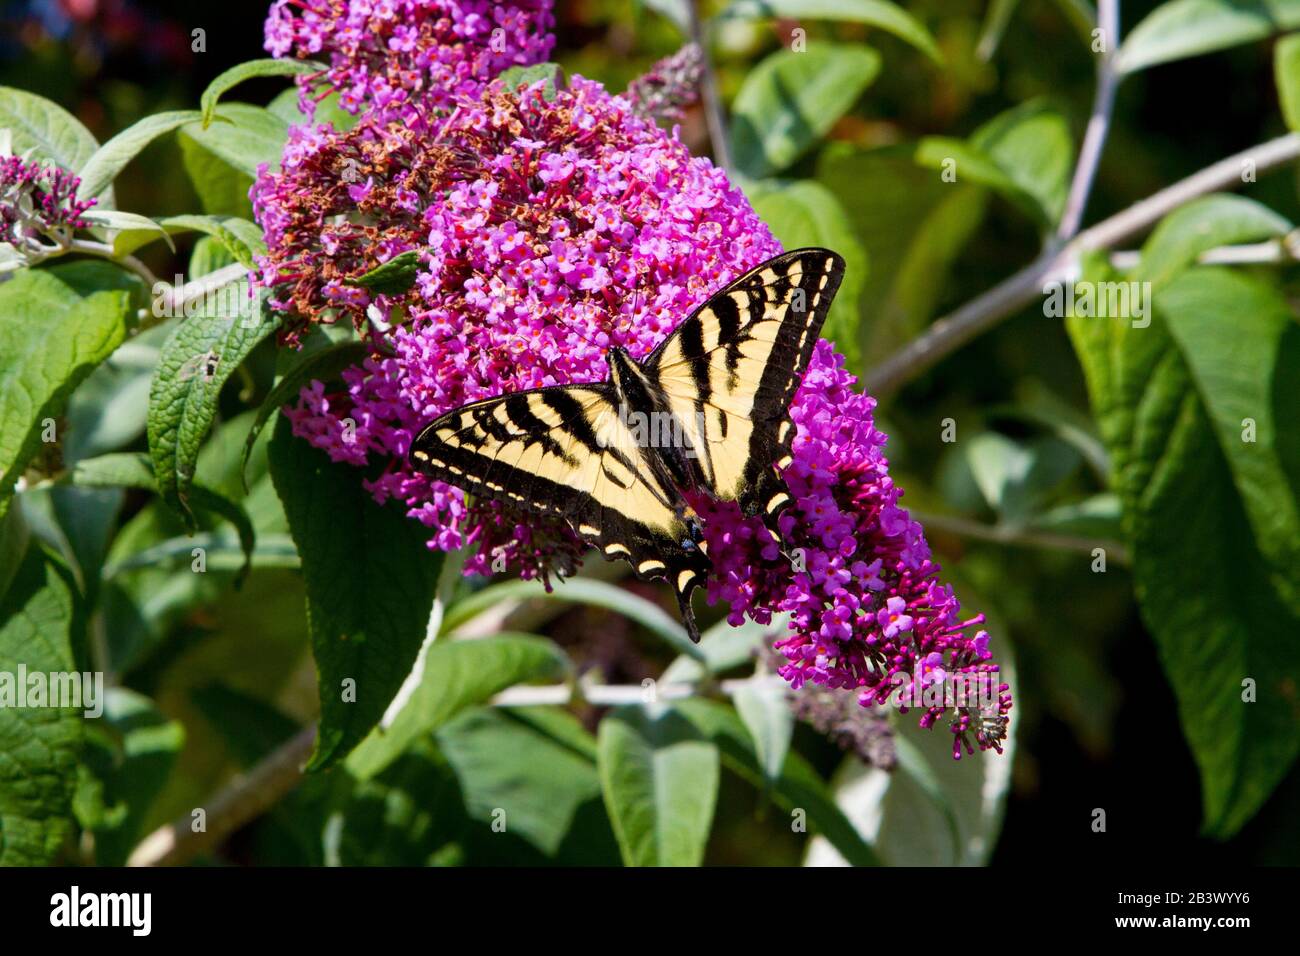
x=565, y=451
x=730, y=370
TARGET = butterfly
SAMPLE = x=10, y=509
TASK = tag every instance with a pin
x=708, y=411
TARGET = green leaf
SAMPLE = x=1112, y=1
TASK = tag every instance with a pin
x=583, y=591
x=42, y=130
x=135, y=470
x=912, y=226
x=39, y=627
x=1185, y=28
x=1032, y=144
x=806, y=213
x=99, y=171
x=241, y=238
x=660, y=782
x=549, y=73
x=931, y=810
x=393, y=277
x=791, y=100
x=130, y=754
x=1014, y=477
x=762, y=705
x=14, y=535
x=323, y=365
x=1201, y=225
x=126, y=230
x=286, y=105
x=1211, y=518
x=1286, y=73
x=877, y=13
x=457, y=675
x=50, y=340
x=996, y=19
x=222, y=189
x=252, y=136
x=370, y=586
x=1025, y=154
x=248, y=70
x=798, y=788
x=195, y=362
x=531, y=770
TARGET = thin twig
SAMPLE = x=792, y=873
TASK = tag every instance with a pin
x=1094, y=139
x=713, y=113
x=948, y=334
x=1255, y=253
x=1026, y=537
x=245, y=798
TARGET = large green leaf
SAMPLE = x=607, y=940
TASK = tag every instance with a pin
x=195, y=362
x=370, y=586
x=1026, y=154
x=323, y=365
x=528, y=770
x=253, y=135
x=99, y=171
x=660, y=781
x=222, y=189
x=1183, y=28
x=1218, y=220
x=39, y=624
x=50, y=340
x=1286, y=74
x=1211, y=518
x=457, y=675
x=248, y=70
x=876, y=13
x=806, y=213
x=791, y=100
x=765, y=710
x=912, y=226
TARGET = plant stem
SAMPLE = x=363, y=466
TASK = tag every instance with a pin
x=709, y=87
x=243, y=799
x=979, y=315
x=1094, y=139
x=1025, y=537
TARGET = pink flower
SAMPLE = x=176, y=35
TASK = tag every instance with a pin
x=401, y=56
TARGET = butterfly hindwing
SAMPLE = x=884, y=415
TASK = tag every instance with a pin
x=730, y=370
x=565, y=451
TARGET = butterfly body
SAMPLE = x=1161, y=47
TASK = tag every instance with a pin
x=707, y=412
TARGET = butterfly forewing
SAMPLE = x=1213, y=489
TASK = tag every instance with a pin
x=731, y=369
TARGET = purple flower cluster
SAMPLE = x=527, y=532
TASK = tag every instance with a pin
x=38, y=200
x=551, y=225
x=867, y=611
x=402, y=56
